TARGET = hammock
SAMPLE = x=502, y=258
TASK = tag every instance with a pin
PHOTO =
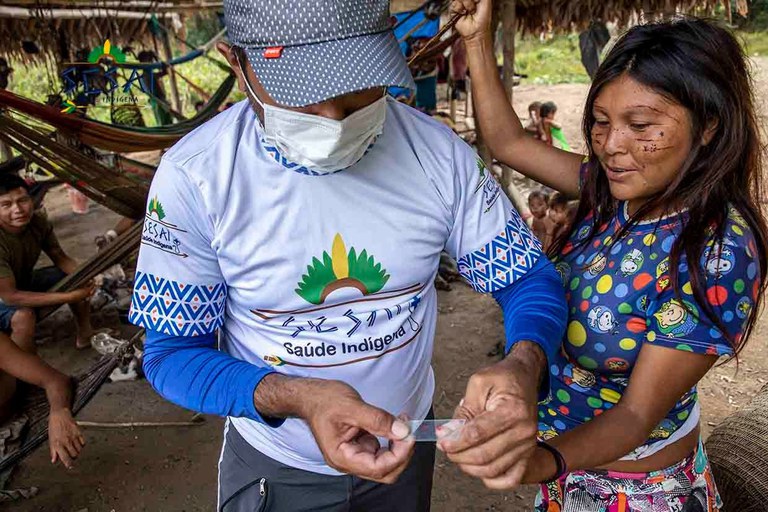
x=34, y=404
x=197, y=52
x=736, y=450
x=121, y=139
x=118, y=183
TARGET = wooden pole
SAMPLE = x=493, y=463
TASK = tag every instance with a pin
x=506, y=15
x=175, y=99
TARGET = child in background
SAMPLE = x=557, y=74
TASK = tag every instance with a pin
x=542, y=225
x=552, y=131
x=559, y=215
x=534, y=121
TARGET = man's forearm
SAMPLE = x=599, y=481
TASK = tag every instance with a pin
x=67, y=265
x=528, y=359
x=58, y=391
x=24, y=299
x=281, y=396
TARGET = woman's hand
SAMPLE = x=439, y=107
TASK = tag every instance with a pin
x=476, y=22
x=64, y=437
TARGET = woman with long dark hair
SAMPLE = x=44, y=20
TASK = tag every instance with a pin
x=664, y=267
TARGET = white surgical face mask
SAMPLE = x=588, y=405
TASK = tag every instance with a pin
x=317, y=142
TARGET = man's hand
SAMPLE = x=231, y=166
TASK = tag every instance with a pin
x=477, y=17
x=64, y=437
x=83, y=293
x=345, y=427
x=500, y=406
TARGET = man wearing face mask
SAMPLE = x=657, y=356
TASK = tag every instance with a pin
x=305, y=227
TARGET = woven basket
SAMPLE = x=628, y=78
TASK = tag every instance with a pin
x=738, y=453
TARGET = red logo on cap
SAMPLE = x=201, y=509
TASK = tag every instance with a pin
x=274, y=52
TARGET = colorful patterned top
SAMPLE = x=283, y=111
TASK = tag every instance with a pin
x=619, y=297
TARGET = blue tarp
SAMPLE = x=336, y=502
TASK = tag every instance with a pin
x=428, y=29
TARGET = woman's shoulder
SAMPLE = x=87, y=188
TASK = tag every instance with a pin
x=732, y=247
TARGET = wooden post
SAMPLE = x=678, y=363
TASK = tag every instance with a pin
x=508, y=20
x=175, y=99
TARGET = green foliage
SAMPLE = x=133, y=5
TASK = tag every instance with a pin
x=755, y=43
x=318, y=276
x=201, y=27
x=553, y=61
x=757, y=18
x=367, y=271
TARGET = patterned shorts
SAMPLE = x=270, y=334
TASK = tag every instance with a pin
x=687, y=486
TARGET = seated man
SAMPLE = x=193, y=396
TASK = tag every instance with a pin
x=23, y=235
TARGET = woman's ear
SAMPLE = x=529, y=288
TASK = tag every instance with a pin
x=709, y=131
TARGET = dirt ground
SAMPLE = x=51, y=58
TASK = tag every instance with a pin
x=174, y=469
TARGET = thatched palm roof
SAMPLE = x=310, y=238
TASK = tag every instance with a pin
x=569, y=14
x=84, y=23
x=533, y=15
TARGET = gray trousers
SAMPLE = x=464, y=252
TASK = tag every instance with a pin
x=252, y=482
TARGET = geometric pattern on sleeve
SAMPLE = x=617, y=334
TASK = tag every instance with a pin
x=176, y=309
x=503, y=260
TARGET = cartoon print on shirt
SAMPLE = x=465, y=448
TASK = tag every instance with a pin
x=631, y=262
x=718, y=260
x=597, y=265
x=674, y=318
x=564, y=270
x=617, y=364
x=546, y=432
x=620, y=303
x=743, y=307
x=663, y=267
x=602, y=320
x=579, y=379
x=663, y=430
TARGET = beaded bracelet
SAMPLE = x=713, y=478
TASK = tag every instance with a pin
x=562, y=467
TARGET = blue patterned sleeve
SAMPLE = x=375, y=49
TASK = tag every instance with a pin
x=178, y=288
x=491, y=242
x=730, y=283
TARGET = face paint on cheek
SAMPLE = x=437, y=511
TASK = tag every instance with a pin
x=656, y=142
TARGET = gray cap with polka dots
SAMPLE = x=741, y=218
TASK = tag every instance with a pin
x=307, y=51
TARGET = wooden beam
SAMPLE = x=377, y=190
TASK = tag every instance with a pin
x=30, y=13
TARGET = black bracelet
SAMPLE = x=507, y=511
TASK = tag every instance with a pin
x=562, y=468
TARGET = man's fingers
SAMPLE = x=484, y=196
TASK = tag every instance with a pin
x=358, y=460
x=71, y=448
x=508, y=414
x=490, y=450
x=500, y=466
x=410, y=445
x=64, y=456
x=511, y=479
x=378, y=422
x=369, y=443
x=476, y=432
